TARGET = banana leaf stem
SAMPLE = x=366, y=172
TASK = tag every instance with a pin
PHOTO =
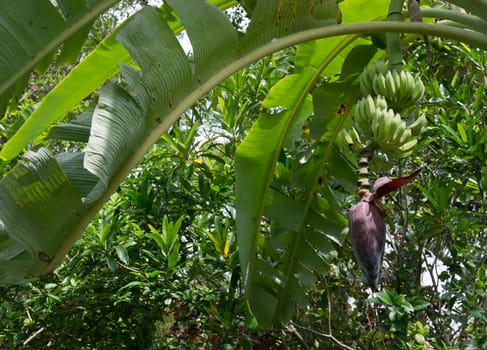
x=471, y=21
x=474, y=6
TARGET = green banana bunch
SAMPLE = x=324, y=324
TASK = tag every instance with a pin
x=391, y=134
x=368, y=75
x=400, y=89
x=376, y=121
x=385, y=129
x=365, y=111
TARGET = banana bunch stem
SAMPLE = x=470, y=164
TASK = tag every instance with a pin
x=393, y=40
x=363, y=174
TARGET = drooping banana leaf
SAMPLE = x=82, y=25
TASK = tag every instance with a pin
x=304, y=229
x=39, y=208
x=32, y=30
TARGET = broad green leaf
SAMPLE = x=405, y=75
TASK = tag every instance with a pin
x=288, y=91
x=158, y=87
x=122, y=253
x=73, y=10
x=308, y=257
x=333, y=51
x=215, y=49
x=117, y=127
x=275, y=19
x=384, y=297
x=38, y=211
x=24, y=39
x=331, y=228
x=343, y=171
x=257, y=155
x=296, y=128
x=77, y=130
x=82, y=180
x=42, y=29
x=85, y=78
x=355, y=61
x=285, y=212
x=419, y=305
x=256, y=158
x=332, y=102
x=255, y=161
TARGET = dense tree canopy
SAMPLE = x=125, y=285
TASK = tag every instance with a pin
x=167, y=199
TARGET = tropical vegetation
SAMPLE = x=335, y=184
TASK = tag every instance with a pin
x=158, y=198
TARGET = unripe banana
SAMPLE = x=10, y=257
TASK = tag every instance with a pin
x=363, y=116
x=391, y=139
x=379, y=85
x=380, y=102
x=409, y=145
x=344, y=136
x=368, y=74
x=377, y=123
x=401, y=129
x=390, y=85
x=385, y=139
x=406, y=83
x=418, y=91
x=395, y=124
x=350, y=139
x=406, y=149
x=409, y=83
x=418, y=125
x=405, y=136
x=366, y=82
x=365, y=112
x=381, y=126
x=355, y=136
x=400, y=89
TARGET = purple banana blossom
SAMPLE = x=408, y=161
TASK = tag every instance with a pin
x=368, y=228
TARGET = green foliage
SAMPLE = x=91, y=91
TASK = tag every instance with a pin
x=168, y=240
x=234, y=220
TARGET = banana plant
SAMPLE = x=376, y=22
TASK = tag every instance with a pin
x=47, y=199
